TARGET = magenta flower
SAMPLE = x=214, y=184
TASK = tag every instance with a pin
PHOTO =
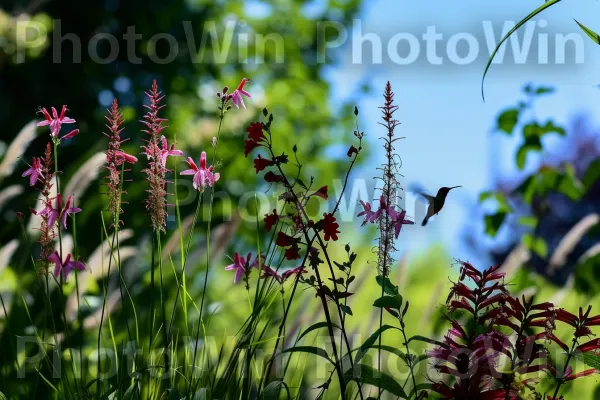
x=121, y=156
x=236, y=96
x=166, y=151
x=203, y=176
x=298, y=270
x=268, y=271
x=399, y=220
x=63, y=212
x=239, y=266
x=34, y=172
x=65, y=267
x=55, y=122
x=367, y=212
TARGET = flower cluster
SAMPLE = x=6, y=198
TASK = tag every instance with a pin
x=54, y=215
x=157, y=152
x=389, y=218
x=115, y=158
x=469, y=353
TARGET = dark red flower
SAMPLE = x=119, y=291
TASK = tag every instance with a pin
x=330, y=226
x=292, y=252
x=589, y=346
x=284, y=240
x=270, y=220
x=322, y=193
x=272, y=177
x=352, y=150
x=255, y=132
x=250, y=145
x=261, y=163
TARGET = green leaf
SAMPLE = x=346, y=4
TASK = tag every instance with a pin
x=273, y=389
x=544, y=90
x=536, y=244
x=593, y=35
x=389, y=301
x=529, y=221
x=318, y=325
x=370, y=342
x=589, y=359
x=531, y=15
x=508, y=120
x=387, y=285
x=301, y=183
x=420, y=387
x=2, y=396
x=592, y=174
x=521, y=157
x=420, y=338
x=202, y=394
x=309, y=349
x=346, y=309
x=493, y=223
x=571, y=187
x=371, y=376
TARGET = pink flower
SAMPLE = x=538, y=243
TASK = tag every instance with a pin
x=55, y=121
x=239, y=266
x=268, y=271
x=236, y=96
x=166, y=151
x=203, y=176
x=121, y=156
x=34, y=172
x=399, y=220
x=367, y=212
x=297, y=271
x=54, y=213
x=65, y=267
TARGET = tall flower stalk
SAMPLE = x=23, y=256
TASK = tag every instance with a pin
x=388, y=217
x=157, y=152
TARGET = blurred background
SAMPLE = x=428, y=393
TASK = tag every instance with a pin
x=527, y=158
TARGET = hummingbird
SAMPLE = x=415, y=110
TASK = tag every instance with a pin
x=435, y=203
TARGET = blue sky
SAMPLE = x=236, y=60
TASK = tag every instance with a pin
x=448, y=126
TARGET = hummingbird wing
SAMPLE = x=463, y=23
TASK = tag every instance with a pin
x=420, y=191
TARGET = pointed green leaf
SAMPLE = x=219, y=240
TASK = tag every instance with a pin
x=370, y=342
x=590, y=359
x=593, y=35
x=318, y=325
x=420, y=338
x=387, y=285
x=346, y=309
x=371, y=376
x=308, y=349
x=389, y=301
x=531, y=15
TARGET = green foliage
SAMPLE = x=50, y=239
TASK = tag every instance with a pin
x=369, y=375
x=387, y=286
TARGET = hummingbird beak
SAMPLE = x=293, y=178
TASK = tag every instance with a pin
x=454, y=187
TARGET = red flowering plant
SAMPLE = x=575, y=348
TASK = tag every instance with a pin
x=301, y=239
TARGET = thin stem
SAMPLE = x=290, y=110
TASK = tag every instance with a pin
x=209, y=223
x=560, y=380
